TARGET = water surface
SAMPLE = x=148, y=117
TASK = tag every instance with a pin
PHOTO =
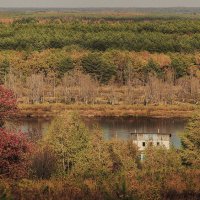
x=119, y=127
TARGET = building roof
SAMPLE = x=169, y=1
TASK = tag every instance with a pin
x=151, y=134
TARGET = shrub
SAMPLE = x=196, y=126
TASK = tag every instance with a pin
x=44, y=163
x=8, y=103
x=14, y=154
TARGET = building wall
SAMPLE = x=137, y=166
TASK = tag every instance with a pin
x=143, y=140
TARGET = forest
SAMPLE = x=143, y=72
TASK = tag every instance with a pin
x=153, y=36
x=127, y=60
x=111, y=77
x=101, y=60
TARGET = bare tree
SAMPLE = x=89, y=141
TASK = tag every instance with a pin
x=35, y=84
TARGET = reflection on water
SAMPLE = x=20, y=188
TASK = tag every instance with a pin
x=120, y=127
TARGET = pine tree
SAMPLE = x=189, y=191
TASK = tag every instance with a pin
x=98, y=67
x=191, y=143
x=65, y=66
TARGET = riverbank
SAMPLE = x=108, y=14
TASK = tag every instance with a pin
x=160, y=111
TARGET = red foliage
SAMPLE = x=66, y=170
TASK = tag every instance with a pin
x=14, y=154
x=8, y=103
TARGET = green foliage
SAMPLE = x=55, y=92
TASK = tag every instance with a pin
x=160, y=35
x=153, y=68
x=180, y=65
x=158, y=167
x=191, y=143
x=94, y=163
x=161, y=161
x=4, y=69
x=68, y=138
x=26, y=20
x=123, y=156
x=84, y=156
x=103, y=159
x=95, y=65
x=65, y=65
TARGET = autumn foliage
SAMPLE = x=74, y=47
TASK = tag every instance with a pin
x=14, y=154
x=8, y=103
x=14, y=147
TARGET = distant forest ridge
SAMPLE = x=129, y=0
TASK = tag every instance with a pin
x=180, y=10
x=114, y=14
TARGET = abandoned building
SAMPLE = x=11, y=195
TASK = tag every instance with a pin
x=142, y=140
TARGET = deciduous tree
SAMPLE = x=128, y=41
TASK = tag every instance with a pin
x=8, y=104
x=68, y=137
x=15, y=152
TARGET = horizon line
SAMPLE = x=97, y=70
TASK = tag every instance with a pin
x=89, y=7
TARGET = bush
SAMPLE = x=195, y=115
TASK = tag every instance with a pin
x=44, y=163
x=8, y=103
x=14, y=155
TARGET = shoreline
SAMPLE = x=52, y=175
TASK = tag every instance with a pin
x=156, y=111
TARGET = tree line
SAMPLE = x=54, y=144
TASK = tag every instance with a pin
x=115, y=77
x=157, y=35
x=100, y=65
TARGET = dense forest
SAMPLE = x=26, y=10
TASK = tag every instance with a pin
x=101, y=60
x=100, y=35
